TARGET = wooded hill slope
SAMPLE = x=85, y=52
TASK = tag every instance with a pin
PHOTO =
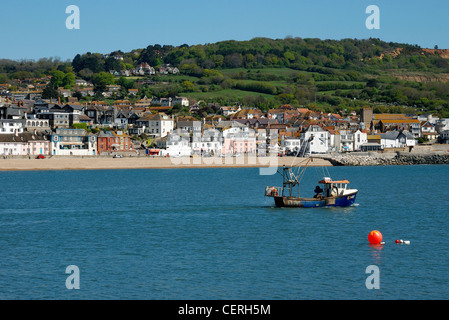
x=328, y=75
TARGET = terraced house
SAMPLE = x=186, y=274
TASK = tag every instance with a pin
x=73, y=142
x=156, y=125
x=24, y=144
x=110, y=142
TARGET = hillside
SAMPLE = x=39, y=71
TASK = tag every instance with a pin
x=327, y=75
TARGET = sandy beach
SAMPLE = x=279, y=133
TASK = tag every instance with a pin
x=99, y=163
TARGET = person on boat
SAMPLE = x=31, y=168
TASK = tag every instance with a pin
x=318, y=190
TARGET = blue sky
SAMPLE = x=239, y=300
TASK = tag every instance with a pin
x=33, y=29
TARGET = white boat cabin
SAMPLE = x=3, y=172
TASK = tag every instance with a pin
x=334, y=188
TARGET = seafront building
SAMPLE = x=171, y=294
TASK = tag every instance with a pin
x=73, y=142
x=176, y=144
x=110, y=142
x=239, y=140
x=24, y=144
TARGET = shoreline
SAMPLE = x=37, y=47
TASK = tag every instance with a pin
x=129, y=163
x=97, y=163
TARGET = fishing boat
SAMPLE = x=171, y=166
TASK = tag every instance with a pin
x=331, y=194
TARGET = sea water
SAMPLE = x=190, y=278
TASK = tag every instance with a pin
x=211, y=234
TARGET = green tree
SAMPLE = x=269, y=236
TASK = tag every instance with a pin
x=113, y=64
x=126, y=83
x=91, y=61
x=191, y=69
x=289, y=56
x=69, y=80
x=3, y=78
x=57, y=79
x=249, y=60
x=218, y=60
x=187, y=86
x=21, y=75
x=50, y=92
x=101, y=80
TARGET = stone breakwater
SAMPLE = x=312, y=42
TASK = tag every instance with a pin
x=386, y=159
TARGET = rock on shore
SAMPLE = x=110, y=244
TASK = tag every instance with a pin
x=385, y=159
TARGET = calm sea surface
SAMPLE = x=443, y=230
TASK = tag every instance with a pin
x=211, y=234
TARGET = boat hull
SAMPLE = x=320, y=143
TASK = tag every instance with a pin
x=295, y=202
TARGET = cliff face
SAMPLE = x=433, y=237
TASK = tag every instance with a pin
x=417, y=77
x=443, y=53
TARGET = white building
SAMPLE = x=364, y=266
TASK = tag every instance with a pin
x=8, y=126
x=397, y=139
x=428, y=117
x=163, y=102
x=73, y=142
x=315, y=140
x=291, y=144
x=33, y=123
x=177, y=145
x=24, y=144
x=121, y=120
x=226, y=111
x=360, y=138
x=344, y=141
x=209, y=143
x=347, y=140
x=442, y=125
x=157, y=125
x=183, y=101
x=189, y=126
x=81, y=82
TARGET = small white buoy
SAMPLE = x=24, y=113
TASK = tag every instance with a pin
x=403, y=241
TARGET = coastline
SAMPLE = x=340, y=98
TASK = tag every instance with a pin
x=108, y=163
x=102, y=163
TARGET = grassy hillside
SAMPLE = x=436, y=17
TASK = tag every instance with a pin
x=326, y=75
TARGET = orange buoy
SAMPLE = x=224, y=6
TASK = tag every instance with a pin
x=375, y=237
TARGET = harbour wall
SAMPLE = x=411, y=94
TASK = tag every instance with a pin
x=385, y=159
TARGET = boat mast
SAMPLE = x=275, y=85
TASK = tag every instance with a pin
x=289, y=180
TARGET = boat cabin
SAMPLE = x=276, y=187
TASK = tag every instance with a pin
x=332, y=188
